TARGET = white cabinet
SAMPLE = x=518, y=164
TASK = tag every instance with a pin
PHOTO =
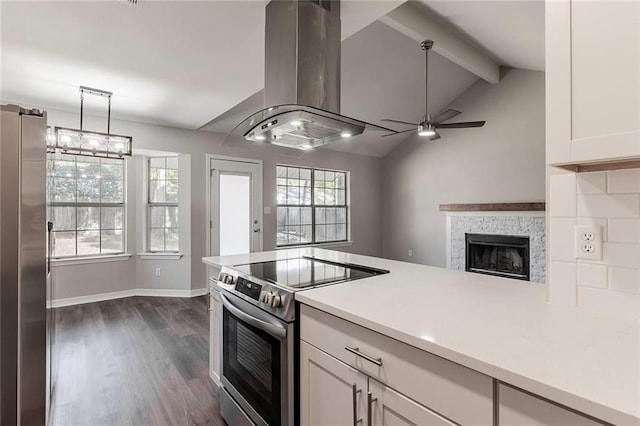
x=592, y=84
x=518, y=408
x=215, y=332
x=455, y=392
x=331, y=392
x=418, y=379
x=390, y=408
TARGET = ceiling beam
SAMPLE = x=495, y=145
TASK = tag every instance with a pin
x=414, y=20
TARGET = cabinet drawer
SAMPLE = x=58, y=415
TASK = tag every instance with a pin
x=453, y=391
x=517, y=408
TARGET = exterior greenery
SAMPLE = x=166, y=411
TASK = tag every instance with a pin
x=312, y=206
x=85, y=198
x=163, y=205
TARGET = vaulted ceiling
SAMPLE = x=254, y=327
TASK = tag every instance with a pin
x=183, y=63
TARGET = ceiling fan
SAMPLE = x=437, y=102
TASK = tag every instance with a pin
x=429, y=125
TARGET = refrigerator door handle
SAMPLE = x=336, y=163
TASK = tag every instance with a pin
x=49, y=245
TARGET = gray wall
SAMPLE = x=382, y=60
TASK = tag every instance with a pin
x=366, y=181
x=501, y=162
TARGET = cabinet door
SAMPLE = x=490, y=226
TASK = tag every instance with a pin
x=390, y=408
x=592, y=66
x=517, y=408
x=331, y=392
x=215, y=311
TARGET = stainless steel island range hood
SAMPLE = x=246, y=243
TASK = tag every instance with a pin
x=302, y=78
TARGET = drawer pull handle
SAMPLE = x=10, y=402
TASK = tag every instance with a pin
x=356, y=351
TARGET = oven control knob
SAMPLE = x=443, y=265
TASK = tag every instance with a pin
x=276, y=300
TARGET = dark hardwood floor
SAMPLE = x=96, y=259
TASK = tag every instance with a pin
x=134, y=361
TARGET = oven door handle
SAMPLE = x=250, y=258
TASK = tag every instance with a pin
x=272, y=329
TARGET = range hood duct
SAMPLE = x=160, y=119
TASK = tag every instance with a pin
x=302, y=78
x=302, y=54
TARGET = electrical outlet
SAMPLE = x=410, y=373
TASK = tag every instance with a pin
x=157, y=272
x=589, y=242
x=410, y=253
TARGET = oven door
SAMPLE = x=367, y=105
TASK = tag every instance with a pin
x=257, y=361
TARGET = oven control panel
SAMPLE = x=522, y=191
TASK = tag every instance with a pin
x=248, y=288
x=268, y=297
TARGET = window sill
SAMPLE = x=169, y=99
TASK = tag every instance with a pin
x=319, y=245
x=160, y=256
x=89, y=259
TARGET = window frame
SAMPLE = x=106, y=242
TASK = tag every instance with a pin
x=314, y=206
x=50, y=204
x=164, y=204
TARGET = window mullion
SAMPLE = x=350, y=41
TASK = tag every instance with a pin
x=313, y=207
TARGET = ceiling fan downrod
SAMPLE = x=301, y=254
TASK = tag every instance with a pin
x=426, y=46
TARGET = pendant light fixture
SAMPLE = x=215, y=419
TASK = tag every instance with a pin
x=90, y=143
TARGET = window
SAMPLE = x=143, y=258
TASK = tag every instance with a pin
x=86, y=205
x=312, y=206
x=163, y=205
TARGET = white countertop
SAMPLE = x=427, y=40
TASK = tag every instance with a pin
x=499, y=327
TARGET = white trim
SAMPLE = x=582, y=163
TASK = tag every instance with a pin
x=208, y=158
x=160, y=256
x=448, y=241
x=56, y=263
x=159, y=292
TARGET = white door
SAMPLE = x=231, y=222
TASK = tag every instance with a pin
x=331, y=392
x=236, y=207
x=390, y=408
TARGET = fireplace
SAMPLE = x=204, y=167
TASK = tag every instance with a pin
x=500, y=255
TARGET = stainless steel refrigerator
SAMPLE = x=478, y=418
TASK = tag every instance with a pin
x=23, y=261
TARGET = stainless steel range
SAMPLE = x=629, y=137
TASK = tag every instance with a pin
x=258, y=334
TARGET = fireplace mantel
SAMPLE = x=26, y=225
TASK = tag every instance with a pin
x=494, y=207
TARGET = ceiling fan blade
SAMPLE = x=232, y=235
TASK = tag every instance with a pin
x=399, y=122
x=461, y=125
x=445, y=115
x=434, y=137
x=397, y=133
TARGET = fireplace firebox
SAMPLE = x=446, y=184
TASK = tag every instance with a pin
x=500, y=255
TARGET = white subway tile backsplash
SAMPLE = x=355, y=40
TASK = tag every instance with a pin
x=621, y=254
x=611, y=206
x=592, y=183
x=610, y=200
x=561, y=243
x=562, y=195
x=624, y=182
x=562, y=283
x=624, y=279
x=592, y=275
x=624, y=231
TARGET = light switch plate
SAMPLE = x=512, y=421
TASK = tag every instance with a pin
x=267, y=210
x=589, y=242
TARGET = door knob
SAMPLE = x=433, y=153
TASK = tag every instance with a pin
x=256, y=229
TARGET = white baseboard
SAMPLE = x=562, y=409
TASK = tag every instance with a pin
x=157, y=292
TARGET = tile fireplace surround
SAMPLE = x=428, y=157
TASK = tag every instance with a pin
x=520, y=223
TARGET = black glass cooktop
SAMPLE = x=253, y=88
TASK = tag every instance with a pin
x=305, y=272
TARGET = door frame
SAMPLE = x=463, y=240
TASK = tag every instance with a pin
x=208, y=219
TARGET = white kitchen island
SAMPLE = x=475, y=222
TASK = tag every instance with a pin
x=499, y=334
